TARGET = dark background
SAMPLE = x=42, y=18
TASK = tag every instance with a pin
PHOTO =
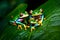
x=33, y=4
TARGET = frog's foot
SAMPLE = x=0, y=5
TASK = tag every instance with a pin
x=19, y=27
x=41, y=24
x=33, y=28
x=25, y=27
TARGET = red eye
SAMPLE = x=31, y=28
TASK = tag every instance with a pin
x=21, y=14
